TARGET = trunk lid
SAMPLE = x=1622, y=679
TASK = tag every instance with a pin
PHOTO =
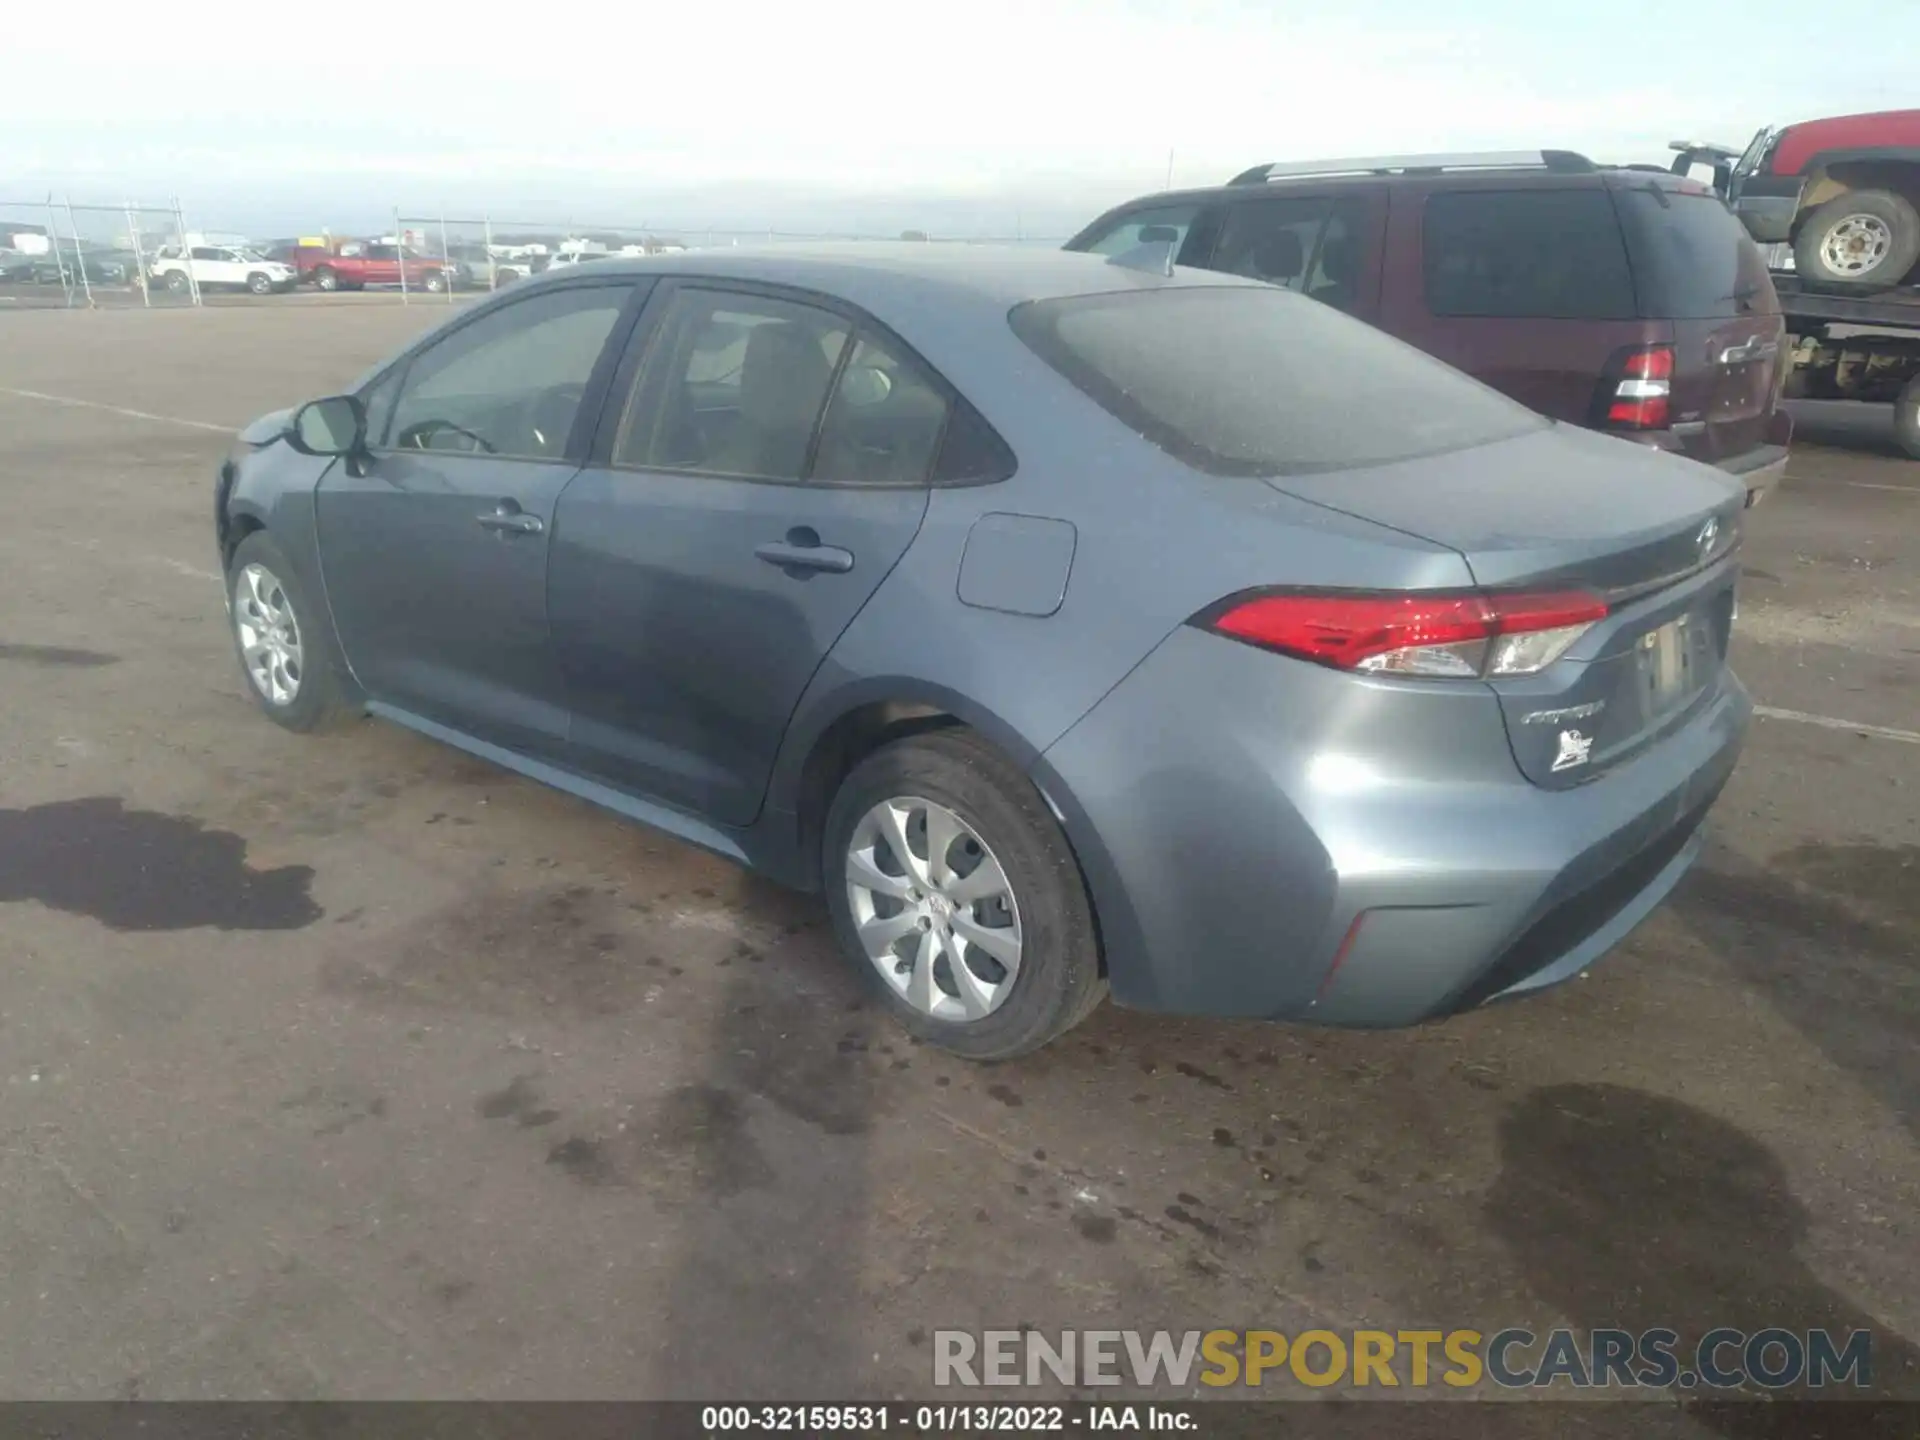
x=1696, y=268
x=1568, y=509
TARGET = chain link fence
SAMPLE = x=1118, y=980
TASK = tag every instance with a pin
x=58, y=254
x=55, y=253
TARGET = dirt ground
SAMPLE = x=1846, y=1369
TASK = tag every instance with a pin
x=356, y=1068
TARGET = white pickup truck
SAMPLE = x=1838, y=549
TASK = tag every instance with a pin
x=219, y=267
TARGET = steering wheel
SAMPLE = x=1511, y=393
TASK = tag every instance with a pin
x=422, y=436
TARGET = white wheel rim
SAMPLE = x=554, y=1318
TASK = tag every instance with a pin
x=934, y=910
x=1857, y=244
x=269, y=635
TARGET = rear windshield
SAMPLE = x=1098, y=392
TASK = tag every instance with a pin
x=1692, y=259
x=1252, y=380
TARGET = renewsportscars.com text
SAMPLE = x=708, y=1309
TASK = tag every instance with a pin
x=1721, y=1359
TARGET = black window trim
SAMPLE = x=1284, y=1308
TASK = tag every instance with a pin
x=639, y=348
x=591, y=399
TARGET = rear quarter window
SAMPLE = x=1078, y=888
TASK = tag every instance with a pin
x=1536, y=254
x=1692, y=258
x=1252, y=380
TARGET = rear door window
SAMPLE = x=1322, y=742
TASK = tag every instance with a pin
x=1692, y=259
x=1248, y=380
x=1526, y=254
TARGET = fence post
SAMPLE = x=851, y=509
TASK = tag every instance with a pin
x=139, y=257
x=493, y=266
x=446, y=253
x=79, y=260
x=186, y=251
x=53, y=245
x=400, y=249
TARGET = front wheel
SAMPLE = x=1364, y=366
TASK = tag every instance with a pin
x=178, y=283
x=957, y=899
x=260, y=284
x=284, y=643
x=435, y=282
x=1866, y=238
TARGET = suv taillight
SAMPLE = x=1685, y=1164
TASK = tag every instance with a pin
x=1481, y=634
x=1638, y=391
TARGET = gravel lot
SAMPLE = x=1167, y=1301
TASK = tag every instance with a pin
x=355, y=1068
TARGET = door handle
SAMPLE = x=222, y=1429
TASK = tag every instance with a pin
x=1751, y=350
x=514, y=520
x=802, y=550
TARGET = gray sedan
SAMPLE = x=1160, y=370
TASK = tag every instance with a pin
x=1074, y=625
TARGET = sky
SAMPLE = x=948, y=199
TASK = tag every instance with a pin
x=988, y=117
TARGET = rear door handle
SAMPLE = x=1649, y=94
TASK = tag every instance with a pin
x=511, y=518
x=802, y=550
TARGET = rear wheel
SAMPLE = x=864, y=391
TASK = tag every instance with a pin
x=1864, y=238
x=1906, y=418
x=326, y=278
x=957, y=899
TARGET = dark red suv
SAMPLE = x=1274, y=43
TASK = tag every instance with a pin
x=1626, y=300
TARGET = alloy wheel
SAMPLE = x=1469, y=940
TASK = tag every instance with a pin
x=269, y=634
x=934, y=910
x=1856, y=244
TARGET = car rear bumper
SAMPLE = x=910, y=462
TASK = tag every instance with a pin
x=1268, y=838
x=1759, y=469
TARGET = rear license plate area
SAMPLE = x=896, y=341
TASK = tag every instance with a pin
x=1675, y=661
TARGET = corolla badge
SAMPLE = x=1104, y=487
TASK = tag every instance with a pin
x=1709, y=533
x=1574, y=749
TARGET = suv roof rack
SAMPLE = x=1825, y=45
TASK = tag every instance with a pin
x=1560, y=161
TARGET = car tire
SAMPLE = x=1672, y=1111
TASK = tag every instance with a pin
x=435, y=282
x=178, y=283
x=1865, y=239
x=1906, y=418
x=260, y=284
x=326, y=278
x=1041, y=917
x=303, y=686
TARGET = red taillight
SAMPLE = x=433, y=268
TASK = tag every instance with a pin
x=1641, y=398
x=1480, y=634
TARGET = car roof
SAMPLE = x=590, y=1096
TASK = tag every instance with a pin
x=876, y=275
x=1460, y=179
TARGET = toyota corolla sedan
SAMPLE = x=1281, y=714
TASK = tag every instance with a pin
x=1076, y=625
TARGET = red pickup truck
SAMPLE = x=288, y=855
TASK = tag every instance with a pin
x=1845, y=192
x=356, y=264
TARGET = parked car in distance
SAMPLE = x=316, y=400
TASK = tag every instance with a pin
x=356, y=264
x=563, y=258
x=1621, y=300
x=102, y=265
x=1072, y=625
x=474, y=265
x=1844, y=192
x=219, y=267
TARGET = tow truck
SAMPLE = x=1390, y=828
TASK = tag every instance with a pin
x=1832, y=203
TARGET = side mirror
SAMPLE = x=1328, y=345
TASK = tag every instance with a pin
x=335, y=426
